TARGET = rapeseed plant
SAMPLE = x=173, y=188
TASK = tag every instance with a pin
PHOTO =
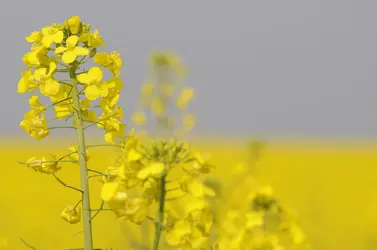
x=64, y=49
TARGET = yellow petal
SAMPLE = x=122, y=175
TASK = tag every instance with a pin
x=103, y=91
x=52, y=87
x=109, y=190
x=52, y=68
x=69, y=56
x=92, y=92
x=58, y=37
x=60, y=49
x=39, y=73
x=80, y=51
x=22, y=86
x=47, y=41
x=154, y=169
x=96, y=74
x=72, y=41
x=84, y=78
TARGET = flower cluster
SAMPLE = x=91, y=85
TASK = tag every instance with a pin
x=139, y=171
x=265, y=224
x=55, y=67
x=66, y=47
x=193, y=230
x=164, y=94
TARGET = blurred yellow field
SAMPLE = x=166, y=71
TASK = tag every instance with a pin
x=330, y=185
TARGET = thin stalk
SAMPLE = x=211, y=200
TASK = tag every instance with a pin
x=161, y=208
x=86, y=210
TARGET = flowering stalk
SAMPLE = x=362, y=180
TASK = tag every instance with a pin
x=86, y=210
x=71, y=45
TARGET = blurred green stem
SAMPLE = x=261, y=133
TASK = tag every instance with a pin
x=161, y=208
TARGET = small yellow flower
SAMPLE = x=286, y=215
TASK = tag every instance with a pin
x=34, y=164
x=27, y=82
x=94, y=39
x=94, y=87
x=73, y=24
x=34, y=37
x=37, y=57
x=35, y=125
x=48, y=85
x=50, y=165
x=75, y=155
x=136, y=210
x=146, y=93
x=71, y=51
x=52, y=34
x=157, y=107
x=138, y=118
x=189, y=121
x=154, y=169
x=111, y=61
x=71, y=214
x=195, y=187
x=187, y=94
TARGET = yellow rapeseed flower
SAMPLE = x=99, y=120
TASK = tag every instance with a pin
x=35, y=37
x=52, y=34
x=138, y=118
x=187, y=94
x=71, y=51
x=73, y=24
x=94, y=87
x=27, y=82
x=71, y=214
x=111, y=61
x=48, y=85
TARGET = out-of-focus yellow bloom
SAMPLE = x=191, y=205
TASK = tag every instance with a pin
x=136, y=210
x=71, y=214
x=146, y=93
x=254, y=219
x=109, y=190
x=192, y=231
x=153, y=169
x=189, y=121
x=71, y=51
x=196, y=188
x=187, y=94
x=138, y=118
x=167, y=89
x=157, y=107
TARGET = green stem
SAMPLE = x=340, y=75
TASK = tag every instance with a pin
x=86, y=210
x=161, y=208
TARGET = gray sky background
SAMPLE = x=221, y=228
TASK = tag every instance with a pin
x=277, y=68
